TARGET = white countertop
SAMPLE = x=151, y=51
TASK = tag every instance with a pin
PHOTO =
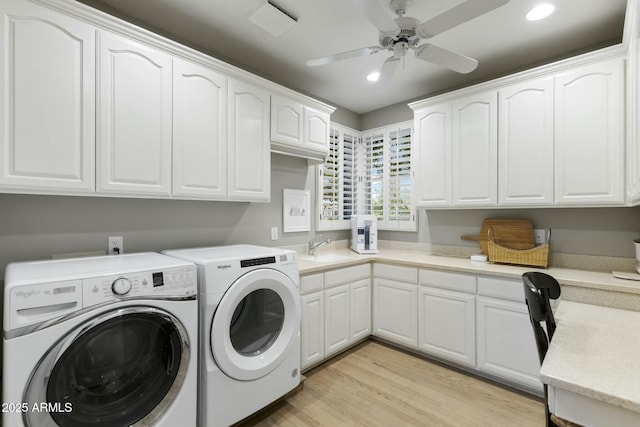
x=595, y=352
x=345, y=257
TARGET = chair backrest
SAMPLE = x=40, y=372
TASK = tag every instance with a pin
x=539, y=288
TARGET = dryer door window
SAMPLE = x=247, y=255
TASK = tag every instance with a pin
x=122, y=369
x=256, y=324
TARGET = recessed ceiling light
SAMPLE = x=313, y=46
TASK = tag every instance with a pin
x=373, y=77
x=541, y=11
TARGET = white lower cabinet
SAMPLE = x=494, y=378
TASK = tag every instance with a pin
x=336, y=312
x=446, y=316
x=312, y=329
x=336, y=319
x=506, y=345
x=395, y=304
x=359, y=310
x=477, y=322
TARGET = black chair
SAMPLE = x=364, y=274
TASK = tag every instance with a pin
x=539, y=289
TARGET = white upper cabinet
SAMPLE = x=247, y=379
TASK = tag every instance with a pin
x=286, y=121
x=525, y=143
x=199, y=131
x=249, y=154
x=316, y=130
x=134, y=133
x=633, y=121
x=433, y=150
x=47, y=101
x=475, y=145
x=589, y=134
x=299, y=130
x=557, y=139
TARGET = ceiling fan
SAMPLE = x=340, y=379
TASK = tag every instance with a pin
x=403, y=33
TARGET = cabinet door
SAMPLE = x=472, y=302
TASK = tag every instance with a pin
x=312, y=329
x=336, y=319
x=447, y=325
x=134, y=137
x=249, y=149
x=395, y=311
x=47, y=100
x=360, y=310
x=633, y=123
x=506, y=345
x=475, y=155
x=525, y=143
x=589, y=137
x=432, y=146
x=286, y=121
x=199, y=132
x=316, y=130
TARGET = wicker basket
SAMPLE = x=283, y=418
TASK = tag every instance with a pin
x=537, y=256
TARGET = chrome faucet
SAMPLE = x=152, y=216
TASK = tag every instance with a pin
x=315, y=245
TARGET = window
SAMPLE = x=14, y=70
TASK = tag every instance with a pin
x=338, y=190
x=368, y=173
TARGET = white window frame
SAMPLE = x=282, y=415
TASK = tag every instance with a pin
x=361, y=177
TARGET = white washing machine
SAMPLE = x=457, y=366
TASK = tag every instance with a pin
x=249, y=329
x=100, y=341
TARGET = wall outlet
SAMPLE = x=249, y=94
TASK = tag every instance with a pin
x=274, y=233
x=116, y=245
x=540, y=236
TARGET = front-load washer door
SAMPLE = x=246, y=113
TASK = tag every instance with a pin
x=120, y=368
x=255, y=324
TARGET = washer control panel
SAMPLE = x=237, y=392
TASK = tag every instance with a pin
x=173, y=282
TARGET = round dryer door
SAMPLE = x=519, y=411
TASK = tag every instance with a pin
x=256, y=324
x=120, y=368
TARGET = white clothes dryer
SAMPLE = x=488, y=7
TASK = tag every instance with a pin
x=100, y=341
x=249, y=329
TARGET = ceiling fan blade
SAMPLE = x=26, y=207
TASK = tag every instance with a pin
x=378, y=16
x=388, y=70
x=344, y=55
x=445, y=58
x=453, y=17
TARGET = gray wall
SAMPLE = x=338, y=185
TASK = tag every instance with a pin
x=395, y=113
x=35, y=227
x=587, y=231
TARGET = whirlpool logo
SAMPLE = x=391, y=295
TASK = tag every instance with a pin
x=224, y=266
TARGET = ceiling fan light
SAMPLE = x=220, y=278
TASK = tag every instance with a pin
x=541, y=11
x=373, y=77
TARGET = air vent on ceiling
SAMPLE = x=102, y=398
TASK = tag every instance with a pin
x=273, y=18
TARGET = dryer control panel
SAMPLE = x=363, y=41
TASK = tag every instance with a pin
x=31, y=304
x=175, y=282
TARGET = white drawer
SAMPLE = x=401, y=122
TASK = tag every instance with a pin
x=394, y=272
x=510, y=289
x=311, y=283
x=347, y=275
x=445, y=280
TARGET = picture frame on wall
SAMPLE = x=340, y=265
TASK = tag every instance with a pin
x=295, y=210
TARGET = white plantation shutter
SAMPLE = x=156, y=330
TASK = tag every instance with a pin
x=400, y=202
x=349, y=158
x=338, y=188
x=367, y=173
x=330, y=180
x=374, y=188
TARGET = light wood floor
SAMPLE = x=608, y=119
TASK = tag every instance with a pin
x=376, y=385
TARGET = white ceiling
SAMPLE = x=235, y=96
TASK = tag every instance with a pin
x=502, y=41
